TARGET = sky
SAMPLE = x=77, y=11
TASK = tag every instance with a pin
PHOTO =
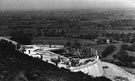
x=64, y=4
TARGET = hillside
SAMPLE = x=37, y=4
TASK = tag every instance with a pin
x=16, y=66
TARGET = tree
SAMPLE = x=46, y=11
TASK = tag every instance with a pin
x=21, y=37
x=76, y=44
x=108, y=50
x=124, y=47
x=114, y=57
x=131, y=47
x=123, y=56
x=68, y=44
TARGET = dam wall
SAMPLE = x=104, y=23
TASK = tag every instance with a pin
x=92, y=68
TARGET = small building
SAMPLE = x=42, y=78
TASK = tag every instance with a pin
x=103, y=40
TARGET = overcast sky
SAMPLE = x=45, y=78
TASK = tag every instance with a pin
x=63, y=4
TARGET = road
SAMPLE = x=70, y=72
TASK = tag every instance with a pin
x=114, y=71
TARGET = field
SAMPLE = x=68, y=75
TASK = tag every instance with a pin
x=120, y=31
x=67, y=23
x=101, y=47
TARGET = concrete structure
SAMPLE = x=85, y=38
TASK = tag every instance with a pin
x=92, y=68
x=89, y=66
x=38, y=50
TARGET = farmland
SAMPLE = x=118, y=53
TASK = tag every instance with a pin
x=67, y=23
